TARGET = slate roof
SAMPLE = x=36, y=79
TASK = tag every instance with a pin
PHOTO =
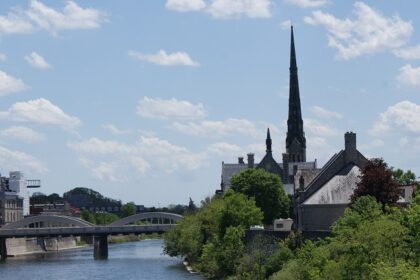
x=333, y=167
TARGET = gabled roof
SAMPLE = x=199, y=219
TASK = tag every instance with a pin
x=270, y=165
x=333, y=167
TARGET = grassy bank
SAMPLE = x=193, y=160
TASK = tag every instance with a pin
x=133, y=237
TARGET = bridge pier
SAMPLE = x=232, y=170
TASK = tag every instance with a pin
x=3, y=248
x=100, y=247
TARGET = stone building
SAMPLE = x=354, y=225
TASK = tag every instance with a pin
x=14, y=196
x=321, y=196
x=11, y=204
x=294, y=158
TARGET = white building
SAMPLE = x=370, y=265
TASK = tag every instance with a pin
x=19, y=184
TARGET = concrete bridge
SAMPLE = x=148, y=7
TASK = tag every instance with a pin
x=62, y=226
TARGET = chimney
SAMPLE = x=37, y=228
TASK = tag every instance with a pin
x=350, y=146
x=250, y=160
x=241, y=160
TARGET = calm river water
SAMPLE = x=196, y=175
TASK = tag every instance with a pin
x=132, y=260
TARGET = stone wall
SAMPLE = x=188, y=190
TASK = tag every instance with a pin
x=21, y=246
x=321, y=217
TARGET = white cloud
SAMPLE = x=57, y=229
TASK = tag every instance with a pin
x=115, y=130
x=239, y=8
x=324, y=113
x=319, y=148
x=169, y=109
x=42, y=17
x=408, y=53
x=285, y=25
x=22, y=133
x=17, y=160
x=409, y=76
x=185, y=5
x=217, y=129
x=37, y=61
x=146, y=155
x=165, y=59
x=369, y=32
x=39, y=111
x=3, y=57
x=9, y=84
x=320, y=129
x=307, y=3
x=225, y=149
x=15, y=22
x=403, y=116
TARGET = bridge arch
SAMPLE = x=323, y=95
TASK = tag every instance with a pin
x=41, y=221
x=171, y=217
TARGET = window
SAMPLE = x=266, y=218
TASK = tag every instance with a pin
x=279, y=225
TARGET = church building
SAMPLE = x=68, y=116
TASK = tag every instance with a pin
x=319, y=196
x=295, y=157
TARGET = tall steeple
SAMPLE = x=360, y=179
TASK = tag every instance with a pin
x=295, y=140
x=268, y=141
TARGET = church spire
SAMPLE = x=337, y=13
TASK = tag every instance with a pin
x=268, y=141
x=295, y=133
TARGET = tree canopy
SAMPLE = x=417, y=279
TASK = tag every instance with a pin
x=404, y=178
x=377, y=180
x=267, y=190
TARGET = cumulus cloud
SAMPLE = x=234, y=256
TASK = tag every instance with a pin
x=9, y=84
x=17, y=160
x=319, y=148
x=224, y=9
x=225, y=149
x=324, y=113
x=321, y=129
x=165, y=59
x=285, y=25
x=39, y=16
x=22, y=133
x=409, y=76
x=367, y=33
x=166, y=109
x=240, y=8
x=147, y=154
x=217, y=129
x=403, y=116
x=40, y=111
x=37, y=61
x=185, y=5
x=115, y=130
x=408, y=53
x=307, y=3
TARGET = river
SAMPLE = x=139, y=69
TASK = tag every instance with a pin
x=131, y=260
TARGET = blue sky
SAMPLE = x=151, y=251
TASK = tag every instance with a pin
x=143, y=100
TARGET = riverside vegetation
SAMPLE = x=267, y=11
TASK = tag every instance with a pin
x=372, y=240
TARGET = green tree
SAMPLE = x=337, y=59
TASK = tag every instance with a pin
x=267, y=190
x=212, y=238
x=128, y=209
x=404, y=178
x=377, y=180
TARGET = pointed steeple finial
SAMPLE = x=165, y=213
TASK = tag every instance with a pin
x=268, y=141
x=293, y=64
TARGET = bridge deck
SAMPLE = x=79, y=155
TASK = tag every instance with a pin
x=81, y=231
